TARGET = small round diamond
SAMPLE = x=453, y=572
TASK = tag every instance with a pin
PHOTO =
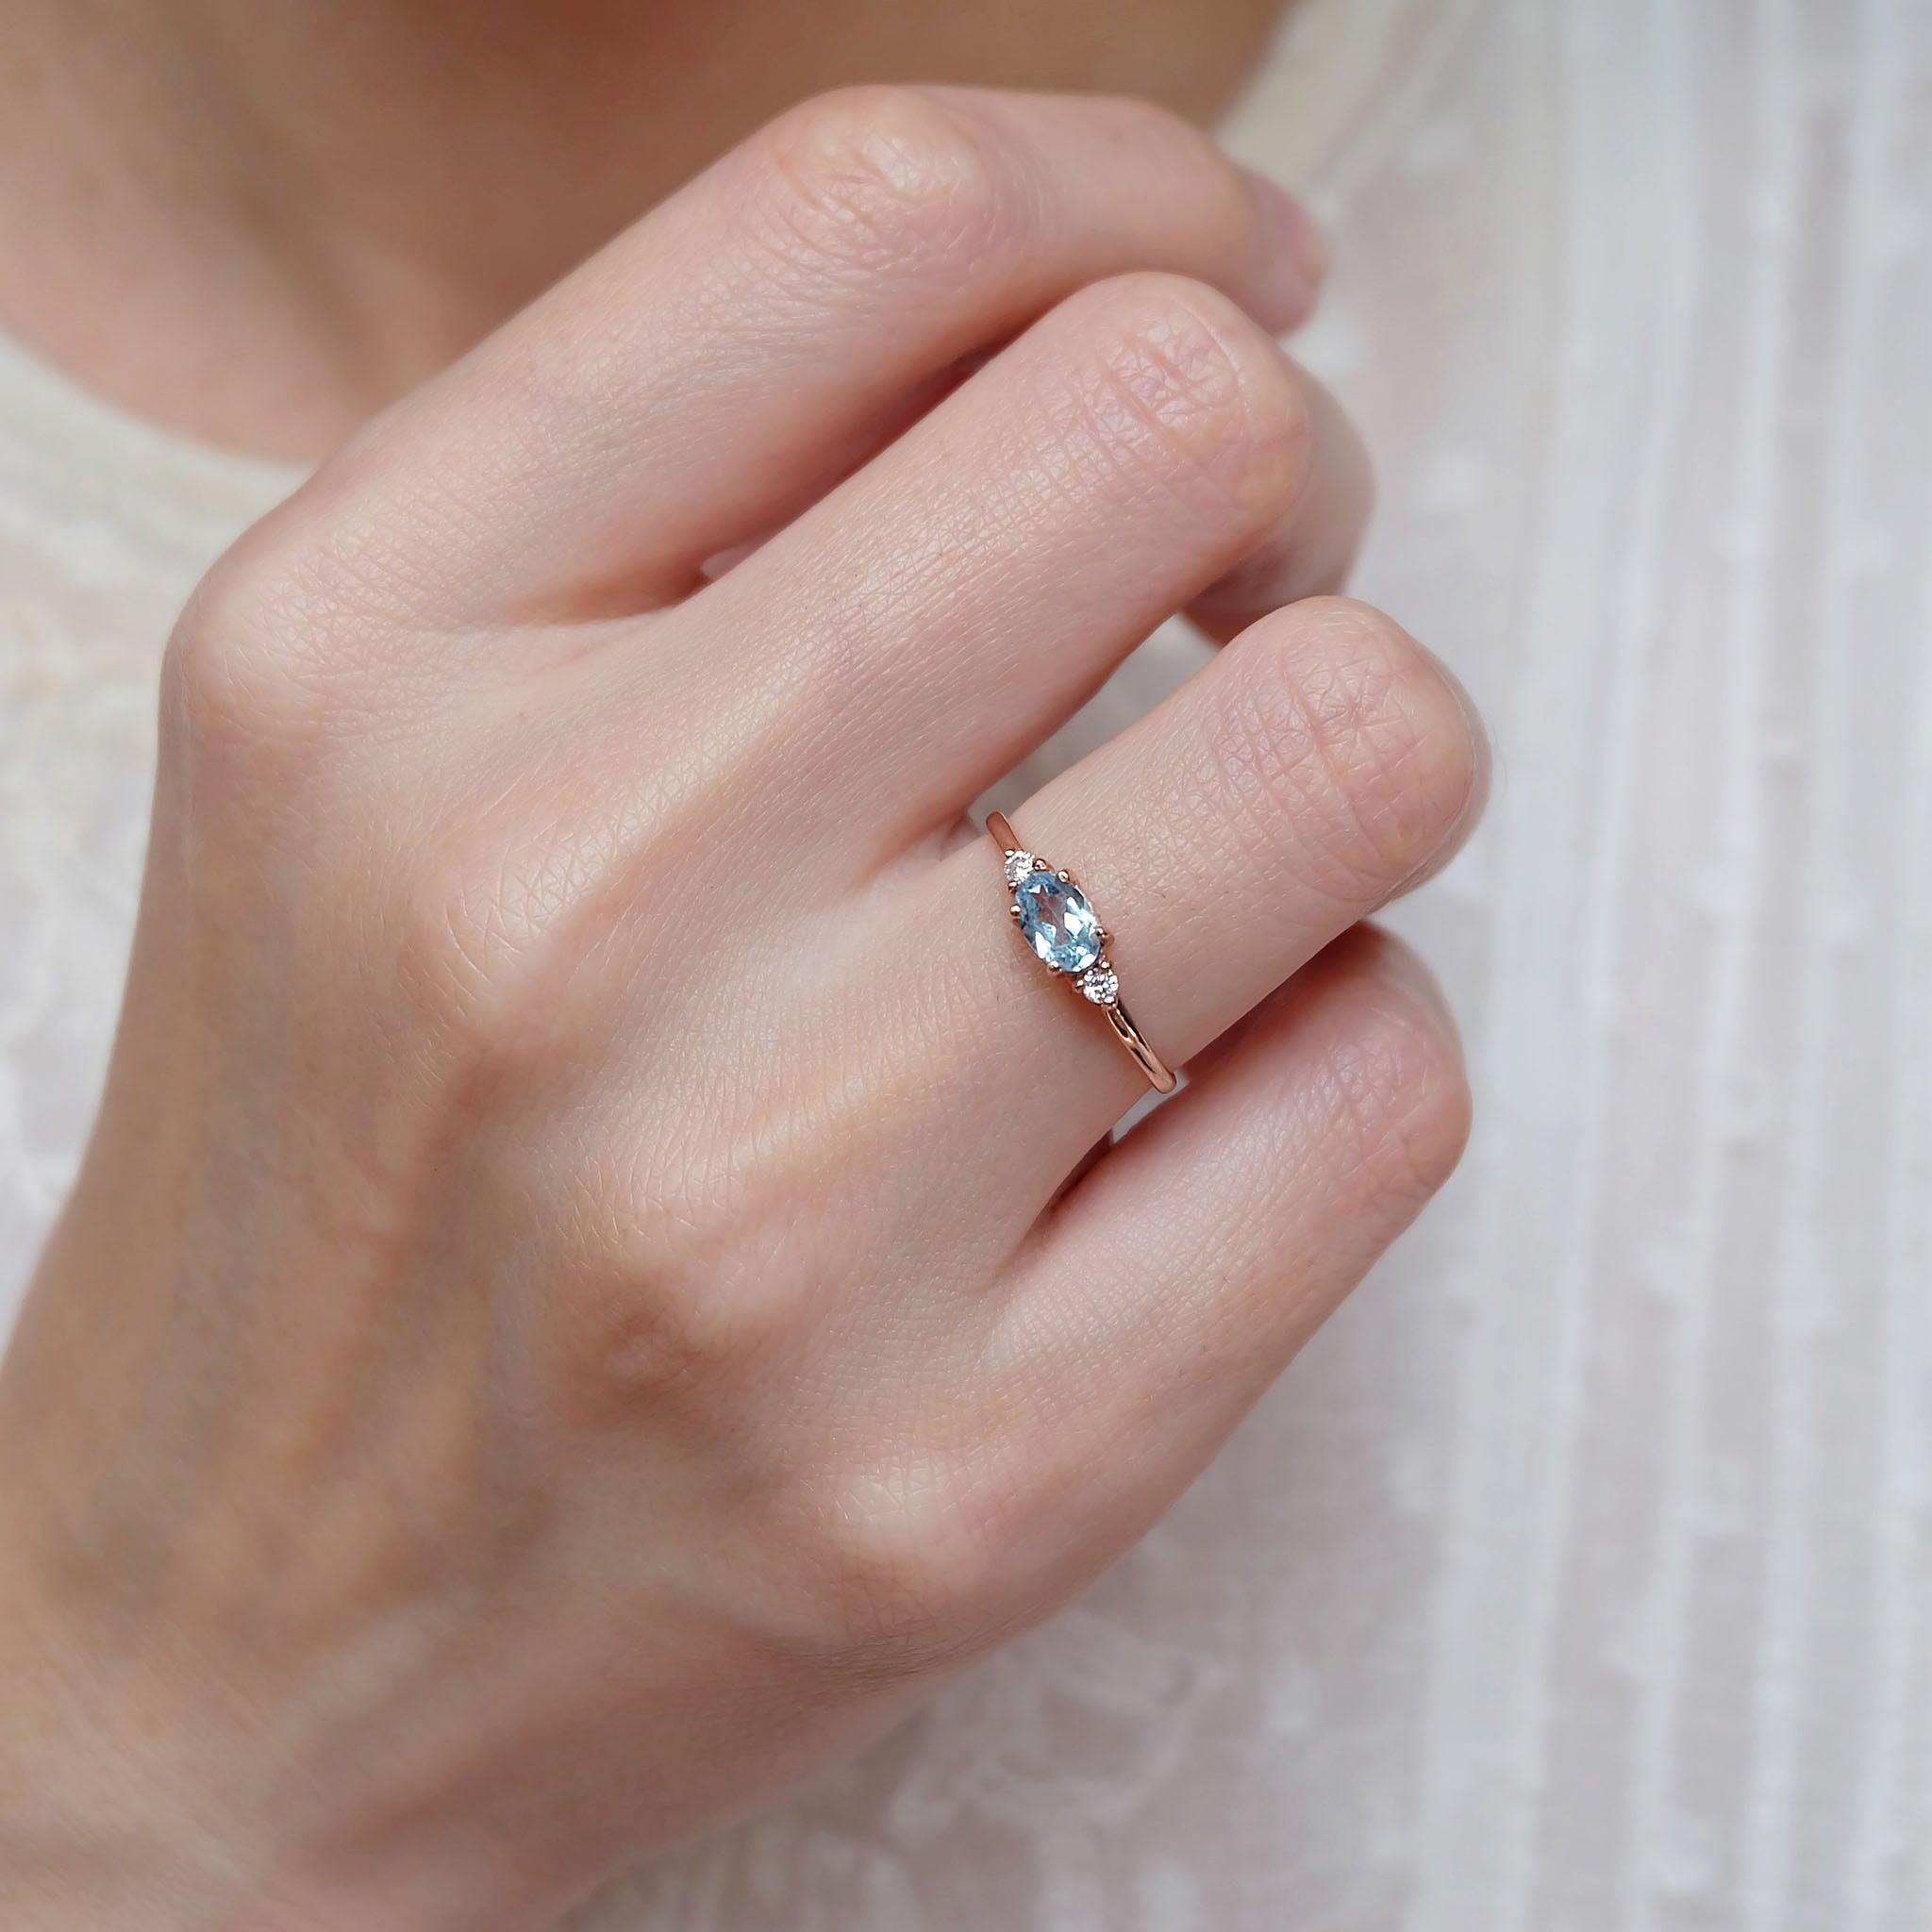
x=1018, y=865
x=1101, y=985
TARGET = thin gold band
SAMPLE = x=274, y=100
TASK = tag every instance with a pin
x=1107, y=995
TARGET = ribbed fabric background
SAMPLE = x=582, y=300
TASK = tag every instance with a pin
x=1579, y=1579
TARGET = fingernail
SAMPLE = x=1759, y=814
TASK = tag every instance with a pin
x=1303, y=252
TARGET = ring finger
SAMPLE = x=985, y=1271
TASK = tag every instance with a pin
x=1320, y=765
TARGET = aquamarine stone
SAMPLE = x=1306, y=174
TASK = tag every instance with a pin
x=1058, y=923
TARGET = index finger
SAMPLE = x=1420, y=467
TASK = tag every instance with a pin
x=721, y=364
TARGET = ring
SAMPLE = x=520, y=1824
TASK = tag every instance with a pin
x=1058, y=920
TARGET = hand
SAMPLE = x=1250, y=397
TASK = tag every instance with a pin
x=571, y=1313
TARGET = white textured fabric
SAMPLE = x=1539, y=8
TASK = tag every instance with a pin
x=1579, y=1579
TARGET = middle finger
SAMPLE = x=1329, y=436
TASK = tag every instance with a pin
x=952, y=603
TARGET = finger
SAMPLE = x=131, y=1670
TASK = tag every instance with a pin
x=1319, y=765
x=1175, y=1282
x=749, y=341
x=952, y=603
x=1307, y=555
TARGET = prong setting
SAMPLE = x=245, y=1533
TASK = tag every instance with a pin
x=1100, y=984
x=1064, y=933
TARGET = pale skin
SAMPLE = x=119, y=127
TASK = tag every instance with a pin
x=574, y=1313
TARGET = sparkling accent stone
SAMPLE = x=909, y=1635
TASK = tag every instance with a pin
x=1059, y=924
x=1101, y=985
x=1018, y=865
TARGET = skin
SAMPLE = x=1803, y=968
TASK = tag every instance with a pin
x=262, y=223
x=590, y=1291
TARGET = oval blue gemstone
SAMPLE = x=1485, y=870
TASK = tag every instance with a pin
x=1058, y=923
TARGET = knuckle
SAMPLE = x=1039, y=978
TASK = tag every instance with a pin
x=1343, y=744
x=1194, y=397
x=242, y=688
x=886, y=180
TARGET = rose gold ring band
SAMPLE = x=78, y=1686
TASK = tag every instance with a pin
x=1059, y=926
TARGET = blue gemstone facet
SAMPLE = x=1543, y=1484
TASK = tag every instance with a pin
x=1058, y=923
